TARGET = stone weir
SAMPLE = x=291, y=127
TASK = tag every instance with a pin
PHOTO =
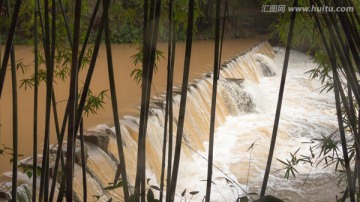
x=100, y=142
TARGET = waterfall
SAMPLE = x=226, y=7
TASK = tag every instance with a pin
x=239, y=101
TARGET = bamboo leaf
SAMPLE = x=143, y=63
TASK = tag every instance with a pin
x=194, y=192
x=183, y=193
x=155, y=187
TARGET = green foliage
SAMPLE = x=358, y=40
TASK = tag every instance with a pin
x=137, y=59
x=4, y=150
x=94, y=102
x=290, y=165
x=28, y=170
x=108, y=189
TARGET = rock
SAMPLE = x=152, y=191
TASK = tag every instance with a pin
x=54, y=148
x=238, y=81
x=27, y=163
x=268, y=198
x=24, y=192
x=5, y=196
x=97, y=138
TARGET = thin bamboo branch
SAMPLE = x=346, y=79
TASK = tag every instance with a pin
x=279, y=103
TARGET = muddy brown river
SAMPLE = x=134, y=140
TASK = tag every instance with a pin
x=128, y=91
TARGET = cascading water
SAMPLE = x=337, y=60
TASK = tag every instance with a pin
x=246, y=101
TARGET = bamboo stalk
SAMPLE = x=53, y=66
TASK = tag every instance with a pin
x=139, y=167
x=58, y=154
x=68, y=32
x=162, y=175
x=356, y=14
x=213, y=102
x=15, y=124
x=49, y=85
x=341, y=49
x=168, y=102
x=140, y=172
x=226, y=15
x=151, y=26
x=83, y=160
x=184, y=89
x=36, y=92
x=279, y=103
x=342, y=137
x=116, y=112
x=351, y=36
x=1, y=4
x=9, y=43
x=69, y=172
x=171, y=63
x=88, y=32
x=332, y=57
x=91, y=66
x=52, y=59
x=155, y=21
x=59, y=151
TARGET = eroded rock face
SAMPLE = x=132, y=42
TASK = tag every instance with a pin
x=23, y=190
x=97, y=138
x=269, y=198
x=54, y=148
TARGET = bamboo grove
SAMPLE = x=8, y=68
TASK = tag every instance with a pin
x=338, y=39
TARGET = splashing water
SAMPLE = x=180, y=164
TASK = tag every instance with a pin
x=306, y=114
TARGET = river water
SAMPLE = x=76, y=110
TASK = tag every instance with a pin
x=247, y=96
x=128, y=91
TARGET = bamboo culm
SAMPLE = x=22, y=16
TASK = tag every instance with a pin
x=15, y=125
x=36, y=89
x=184, y=88
x=116, y=113
x=213, y=102
x=9, y=42
x=69, y=172
x=169, y=100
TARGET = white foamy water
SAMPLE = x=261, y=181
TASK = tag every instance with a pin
x=306, y=114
